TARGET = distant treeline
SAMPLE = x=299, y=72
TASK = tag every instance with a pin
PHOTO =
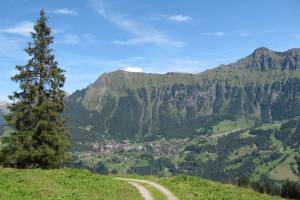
x=286, y=189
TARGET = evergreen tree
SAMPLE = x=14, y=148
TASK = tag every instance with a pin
x=40, y=139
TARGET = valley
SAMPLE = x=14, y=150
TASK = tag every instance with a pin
x=255, y=153
x=221, y=124
x=234, y=121
x=149, y=100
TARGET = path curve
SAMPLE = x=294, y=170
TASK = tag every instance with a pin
x=143, y=191
x=162, y=189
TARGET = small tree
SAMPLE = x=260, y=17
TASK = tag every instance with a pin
x=40, y=139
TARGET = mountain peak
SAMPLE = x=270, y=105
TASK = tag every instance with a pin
x=264, y=59
x=293, y=51
x=262, y=51
x=124, y=72
x=4, y=106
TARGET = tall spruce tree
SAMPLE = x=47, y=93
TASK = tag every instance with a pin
x=40, y=139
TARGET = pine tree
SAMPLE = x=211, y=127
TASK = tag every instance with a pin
x=40, y=139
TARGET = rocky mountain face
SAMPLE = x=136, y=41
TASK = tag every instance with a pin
x=1, y=119
x=263, y=59
x=263, y=87
x=3, y=111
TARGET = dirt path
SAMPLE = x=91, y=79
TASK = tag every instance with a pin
x=162, y=189
x=143, y=191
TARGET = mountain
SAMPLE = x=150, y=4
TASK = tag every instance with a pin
x=241, y=119
x=263, y=59
x=2, y=121
x=3, y=111
x=262, y=87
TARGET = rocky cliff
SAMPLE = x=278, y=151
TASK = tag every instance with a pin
x=262, y=87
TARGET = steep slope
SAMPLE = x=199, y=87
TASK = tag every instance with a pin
x=262, y=87
x=3, y=111
x=263, y=59
x=2, y=121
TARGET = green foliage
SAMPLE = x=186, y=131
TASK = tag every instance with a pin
x=40, y=139
x=265, y=151
x=290, y=190
x=62, y=184
x=228, y=126
x=155, y=167
x=101, y=169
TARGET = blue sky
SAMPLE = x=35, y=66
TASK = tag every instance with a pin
x=97, y=36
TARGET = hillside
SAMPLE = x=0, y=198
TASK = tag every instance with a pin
x=195, y=189
x=269, y=151
x=220, y=124
x=3, y=110
x=62, y=184
x=263, y=87
x=80, y=184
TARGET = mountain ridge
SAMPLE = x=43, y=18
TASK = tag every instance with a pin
x=3, y=111
x=122, y=75
x=124, y=104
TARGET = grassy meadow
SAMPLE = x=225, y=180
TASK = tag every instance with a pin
x=62, y=184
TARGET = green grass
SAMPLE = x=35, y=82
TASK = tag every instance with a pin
x=206, y=156
x=62, y=184
x=233, y=167
x=277, y=143
x=193, y=188
x=268, y=126
x=284, y=171
x=265, y=168
x=79, y=184
x=242, y=152
x=228, y=125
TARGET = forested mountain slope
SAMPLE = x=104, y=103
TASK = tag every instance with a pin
x=263, y=87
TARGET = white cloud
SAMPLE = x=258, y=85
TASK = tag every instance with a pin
x=183, y=65
x=245, y=34
x=134, y=69
x=215, y=34
x=156, y=38
x=219, y=34
x=141, y=33
x=12, y=47
x=65, y=11
x=80, y=77
x=174, y=18
x=96, y=63
x=68, y=39
x=179, y=18
x=4, y=99
x=24, y=28
x=73, y=39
